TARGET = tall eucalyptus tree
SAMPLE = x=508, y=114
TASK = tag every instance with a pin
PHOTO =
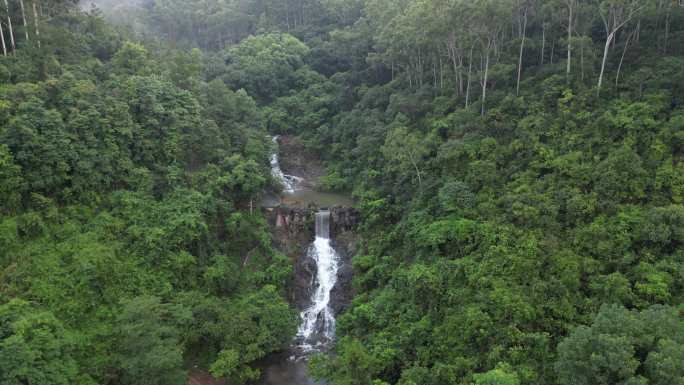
x=615, y=14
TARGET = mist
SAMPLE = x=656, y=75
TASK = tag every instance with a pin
x=110, y=6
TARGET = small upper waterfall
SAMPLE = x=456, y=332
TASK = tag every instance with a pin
x=290, y=182
x=318, y=322
x=317, y=327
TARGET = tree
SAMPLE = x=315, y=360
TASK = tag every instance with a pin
x=615, y=14
x=406, y=150
x=456, y=196
x=260, y=323
x=571, y=6
x=23, y=19
x=34, y=347
x=41, y=146
x=502, y=375
x=488, y=20
x=523, y=7
x=148, y=349
x=36, y=21
x=12, y=182
x=2, y=38
x=618, y=343
x=265, y=65
x=131, y=59
x=9, y=25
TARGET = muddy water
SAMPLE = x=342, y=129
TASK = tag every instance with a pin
x=304, y=197
x=317, y=328
x=281, y=369
x=316, y=332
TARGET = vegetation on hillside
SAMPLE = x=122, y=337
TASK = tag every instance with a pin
x=129, y=246
x=519, y=165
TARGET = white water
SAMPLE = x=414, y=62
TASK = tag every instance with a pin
x=317, y=328
x=290, y=182
x=318, y=322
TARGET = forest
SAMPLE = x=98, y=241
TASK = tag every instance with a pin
x=518, y=166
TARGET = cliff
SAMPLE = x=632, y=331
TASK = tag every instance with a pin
x=293, y=231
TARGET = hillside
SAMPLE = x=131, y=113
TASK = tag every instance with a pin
x=518, y=167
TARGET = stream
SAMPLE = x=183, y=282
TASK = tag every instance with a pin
x=317, y=328
x=299, y=192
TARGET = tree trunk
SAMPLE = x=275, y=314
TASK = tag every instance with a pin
x=452, y=50
x=520, y=57
x=470, y=71
x=567, y=70
x=541, y=61
x=667, y=28
x=612, y=28
x=622, y=58
x=2, y=37
x=637, y=37
x=434, y=74
x=441, y=73
x=419, y=69
x=9, y=24
x=35, y=22
x=408, y=71
x=582, y=59
x=460, y=75
x=287, y=15
x=603, y=63
x=23, y=18
x=484, y=82
x=415, y=166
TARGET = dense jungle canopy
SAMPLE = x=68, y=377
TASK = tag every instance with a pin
x=518, y=165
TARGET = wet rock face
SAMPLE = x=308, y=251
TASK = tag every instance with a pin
x=343, y=229
x=294, y=231
x=297, y=159
x=343, y=220
x=342, y=293
x=303, y=282
x=295, y=222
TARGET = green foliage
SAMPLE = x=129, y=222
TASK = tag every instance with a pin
x=34, y=347
x=618, y=343
x=502, y=375
x=264, y=324
x=131, y=59
x=147, y=341
x=12, y=182
x=527, y=234
x=265, y=65
x=126, y=188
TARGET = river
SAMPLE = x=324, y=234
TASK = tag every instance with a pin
x=317, y=328
x=299, y=192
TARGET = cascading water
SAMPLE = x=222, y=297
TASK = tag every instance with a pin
x=290, y=182
x=318, y=322
x=317, y=328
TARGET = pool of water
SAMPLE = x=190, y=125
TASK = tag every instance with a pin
x=280, y=369
x=304, y=197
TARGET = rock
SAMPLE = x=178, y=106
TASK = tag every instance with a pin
x=342, y=293
x=303, y=282
x=294, y=231
x=343, y=220
x=296, y=159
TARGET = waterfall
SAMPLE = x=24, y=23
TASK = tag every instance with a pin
x=318, y=322
x=289, y=182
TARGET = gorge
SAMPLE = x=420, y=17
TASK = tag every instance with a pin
x=469, y=192
x=316, y=285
